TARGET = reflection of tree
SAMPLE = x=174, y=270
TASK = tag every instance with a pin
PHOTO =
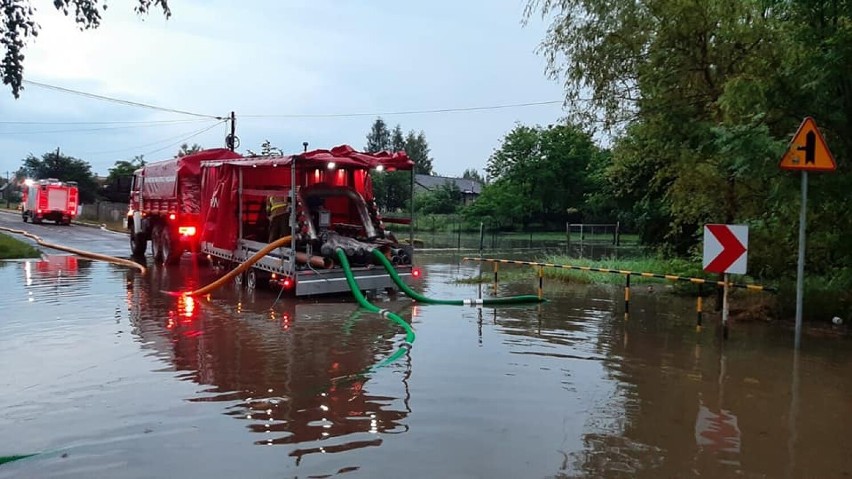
x=659, y=370
x=294, y=371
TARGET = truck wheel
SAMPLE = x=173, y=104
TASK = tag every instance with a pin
x=172, y=249
x=157, y=243
x=138, y=243
x=24, y=217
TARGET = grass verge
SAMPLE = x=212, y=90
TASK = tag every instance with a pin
x=12, y=248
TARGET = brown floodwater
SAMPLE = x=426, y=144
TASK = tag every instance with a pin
x=106, y=376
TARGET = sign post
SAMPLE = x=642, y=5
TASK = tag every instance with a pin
x=807, y=151
x=725, y=251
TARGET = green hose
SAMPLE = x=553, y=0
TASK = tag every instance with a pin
x=356, y=291
x=527, y=298
x=5, y=459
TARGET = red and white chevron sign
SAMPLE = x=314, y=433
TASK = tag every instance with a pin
x=725, y=248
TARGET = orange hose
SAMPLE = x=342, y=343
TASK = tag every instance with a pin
x=79, y=252
x=234, y=272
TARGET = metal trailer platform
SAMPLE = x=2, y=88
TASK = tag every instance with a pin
x=308, y=280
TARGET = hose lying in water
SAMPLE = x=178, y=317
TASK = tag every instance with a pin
x=527, y=298
x=236, y=271
x=78, y=252
x=356, y=291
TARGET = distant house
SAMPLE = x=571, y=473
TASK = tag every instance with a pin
x=470, y=189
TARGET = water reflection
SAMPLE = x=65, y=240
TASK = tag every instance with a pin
x=291, y=370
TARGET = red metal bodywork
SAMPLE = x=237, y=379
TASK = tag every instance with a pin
x=169, y=192
x=265, y=175
x=50, y=200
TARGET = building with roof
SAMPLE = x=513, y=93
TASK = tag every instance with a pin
x=470, y=189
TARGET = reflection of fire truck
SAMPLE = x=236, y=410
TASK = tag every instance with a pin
x=165, y=205
x=50, y=200
x=284, y=372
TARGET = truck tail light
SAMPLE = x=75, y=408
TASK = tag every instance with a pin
x=187, y=230
x=416, y=272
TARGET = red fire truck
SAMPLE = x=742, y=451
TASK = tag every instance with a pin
x=165, y=204
x=214, y=202
x=334, y=208
x=50, y=200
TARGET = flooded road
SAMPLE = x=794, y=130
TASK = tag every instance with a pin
x=106, y=376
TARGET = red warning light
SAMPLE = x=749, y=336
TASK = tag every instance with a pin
x=286, y=283
x=416, y=272
x=172, y=216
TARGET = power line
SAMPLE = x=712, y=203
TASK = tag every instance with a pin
x=182, y=140
x=141, y=122
x=105, y=128
x=117, y=100
x=145, y=145
x=409, y=112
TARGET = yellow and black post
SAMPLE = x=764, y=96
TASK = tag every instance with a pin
x=540, y=282
x=698, y=304
x=496, y=267
x=627, y=297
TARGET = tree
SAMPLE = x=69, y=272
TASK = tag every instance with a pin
x=64, y=168
x=445, y=199
x=704, y=95
x=18, y=26
x=538, y=175
x=397, y=141
x=125, y=168
x=418, y=150
x=185, y=149
x=473, y=174
x=379, y=137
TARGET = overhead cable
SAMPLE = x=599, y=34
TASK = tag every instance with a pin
x=117, y=100
x=406, y=112
x=158, y=142
x=103, y=128
x=138, y=122
x=182, y=140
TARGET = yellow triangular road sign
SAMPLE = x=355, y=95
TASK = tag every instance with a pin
x=808, y=150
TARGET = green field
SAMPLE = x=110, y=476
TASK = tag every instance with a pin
x=12, y=248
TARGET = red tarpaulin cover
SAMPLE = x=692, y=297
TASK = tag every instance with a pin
x=161, y=178
x=220, y=182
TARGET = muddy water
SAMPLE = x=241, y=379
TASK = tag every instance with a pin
x=105, y=376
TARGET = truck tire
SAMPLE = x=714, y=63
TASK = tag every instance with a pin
x=157, y=243
x=172, y=250
x=24, y=217
x=138, y=243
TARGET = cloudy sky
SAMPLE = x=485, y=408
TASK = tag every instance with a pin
x=262, y=58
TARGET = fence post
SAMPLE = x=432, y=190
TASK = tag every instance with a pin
x=567, y=238
x=458, y=222
x=618, y=233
